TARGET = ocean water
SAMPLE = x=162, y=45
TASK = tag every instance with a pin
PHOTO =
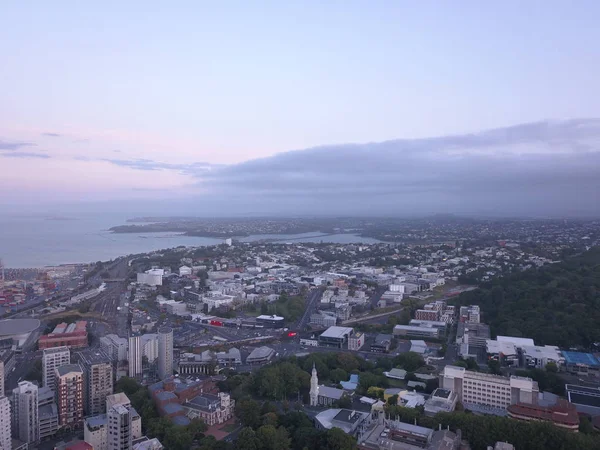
x=36, y=241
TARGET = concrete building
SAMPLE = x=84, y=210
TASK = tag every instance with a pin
x=427, y=314
x=98, y=380
x=335, y=337
x=356, y=341
x=563, y=414
x=260, y=355
x=416, y=331
x=323, y=319
x=152, y=277
x=5, y=431
x=469, y=314
x=441, y=400
x=165, y=352
x=53, y=358
x=115, y=347
x=490, y=391
x=95, y=431
x=120, y=432
x=136, y=420
x=350, y=422
x=382, y=343
x=149, y=344
x=47, y=413
x=135, y=357
x=25, y=418
x=69, y=390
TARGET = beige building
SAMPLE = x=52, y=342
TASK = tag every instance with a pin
x=51, y=360
x=26, y=424
x=493, y=391
x=136, y=420
x=5, y=432
x=69, y=390
x=98, y=380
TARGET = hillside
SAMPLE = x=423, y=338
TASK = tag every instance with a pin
x=557, y=304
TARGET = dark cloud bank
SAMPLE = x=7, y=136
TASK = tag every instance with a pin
x=538, y=169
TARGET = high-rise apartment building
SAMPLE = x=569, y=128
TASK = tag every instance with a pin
x=135, y=356
x=95, y=431
x=47, y=413
x=69, y=390
x=5, y=431
x=98, y=380
x=150, y=346
x=123, y=400
x=492, y=391
x=165, y=352
x=51, y=360
x=115, y=347
x=120, y=432
x=25, y=419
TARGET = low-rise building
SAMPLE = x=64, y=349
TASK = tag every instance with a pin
x=382, y=343
x=356, y=341
x=563, y=414
x=416, y=331
x=260, y=355
x=335, y=337
x=212, y=409
x=441, y=400
x=72, y=335
x=349, y=421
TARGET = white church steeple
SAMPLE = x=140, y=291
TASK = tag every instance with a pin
x=314, y=387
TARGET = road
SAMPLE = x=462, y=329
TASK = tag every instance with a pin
x=313, y=296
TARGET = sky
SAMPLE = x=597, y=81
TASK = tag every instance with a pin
x=331, y=107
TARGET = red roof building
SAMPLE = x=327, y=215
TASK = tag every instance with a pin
x=563, y=414
x=72, y=335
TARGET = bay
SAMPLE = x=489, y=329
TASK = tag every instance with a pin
x=38, y=241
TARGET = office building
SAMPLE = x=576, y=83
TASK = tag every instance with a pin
x=25, y=419
x=115, y=347
x=382, y=343
x=489, y=391
x=53, y=358
x=469, y=314
x=69, y=392
x=135, y=357
x=95, y=431
x=335, y=337
x=416, y=331
x=432, y=315
x=165, y=352
x=120, y=433
x=583, y=364
x=5, y=431
x=98, y=380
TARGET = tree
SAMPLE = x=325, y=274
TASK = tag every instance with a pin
x=247, y=440
x=345, y=402
x=338, y=375
x=393, y=400
x=494, y=366
x=409, y=361
x=552, y=367
x=271, y=438
x=336, y=439
x=247, y=411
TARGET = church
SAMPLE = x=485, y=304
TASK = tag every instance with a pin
x=323, y=395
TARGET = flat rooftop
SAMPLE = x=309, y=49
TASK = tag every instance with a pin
x=337, y=332
x=519, y=342
x=583, y=359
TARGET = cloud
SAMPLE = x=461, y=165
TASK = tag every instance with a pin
x=541, y=167
x=196, y=169
x=25, y=155
x=10, y=146
x=52, y=134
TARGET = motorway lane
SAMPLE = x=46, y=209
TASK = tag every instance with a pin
x=311, y=300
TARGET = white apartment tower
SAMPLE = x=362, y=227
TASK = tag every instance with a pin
x=120, y=432
x=52, y=359
x=5, y=432
x=314, y=387
x=25, y=420
x=165, y=352
x=488, y=390
x=135, y=356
